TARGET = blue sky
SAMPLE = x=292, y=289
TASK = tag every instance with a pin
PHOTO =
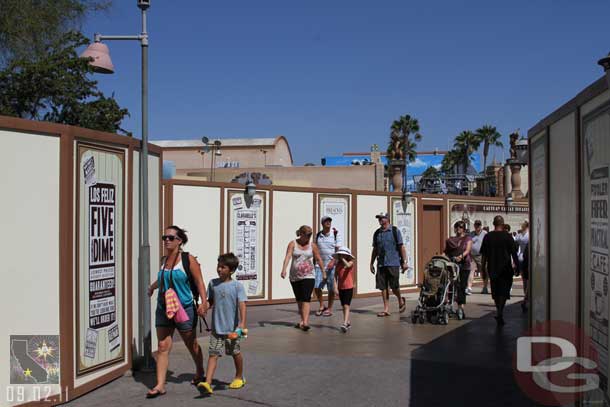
x=331, y=76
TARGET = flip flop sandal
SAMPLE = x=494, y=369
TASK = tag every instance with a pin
x=154, y=393
x=297, y=325
x=327, y=313
x=403, y=306
x=383, y=314
x=305, y=328
x=320, y=312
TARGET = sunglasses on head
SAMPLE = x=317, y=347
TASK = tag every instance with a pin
x=171, y=238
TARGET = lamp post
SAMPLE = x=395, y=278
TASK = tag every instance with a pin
x=102, y=63
x=216, y=152
x=249, y=191
x=265, y=157
x=406, y=194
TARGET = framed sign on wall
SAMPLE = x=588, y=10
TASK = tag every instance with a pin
x=100, y=274
x=247, y=240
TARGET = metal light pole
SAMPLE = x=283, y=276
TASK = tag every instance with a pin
x=215, y=153
x=406, y=194
x=102, y=64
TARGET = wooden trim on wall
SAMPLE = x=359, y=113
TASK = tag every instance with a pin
x=129, y=246
x=579, y=285
x=354, y=242
x=66, y=260
x=223, y=222
x=270, y=248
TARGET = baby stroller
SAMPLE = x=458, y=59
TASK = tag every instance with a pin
x=438, y=292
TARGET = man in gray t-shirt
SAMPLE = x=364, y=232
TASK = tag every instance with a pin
x=477, y=240
x=328, y=240
x=391, y=256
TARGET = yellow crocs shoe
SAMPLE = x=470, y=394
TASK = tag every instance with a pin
x=237, y=383
x=205, y=386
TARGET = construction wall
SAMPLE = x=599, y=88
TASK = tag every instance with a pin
x=569, y=159
x=70, y=200
x=212, y=213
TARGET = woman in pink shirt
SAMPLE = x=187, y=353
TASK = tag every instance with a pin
x=344, y=282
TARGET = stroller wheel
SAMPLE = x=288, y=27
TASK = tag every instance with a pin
x=414, y=318
x=434, y=319
x=421, y=318
x=445, y=318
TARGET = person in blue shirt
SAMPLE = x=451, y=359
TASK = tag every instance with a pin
x=227, y=298
x=391, y=256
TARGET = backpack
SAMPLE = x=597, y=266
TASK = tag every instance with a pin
x=395, y=235
x=187, y=269
x=335, y=232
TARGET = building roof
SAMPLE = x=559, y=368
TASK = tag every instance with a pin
x=226, y=142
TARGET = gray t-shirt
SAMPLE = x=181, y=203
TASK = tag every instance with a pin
x=477, y=241
x=387, y=253
x=327, y=244
x=225, y=298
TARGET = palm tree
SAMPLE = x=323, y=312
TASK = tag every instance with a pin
x=450, y=161
x=489, y=136
x=467, y=143
x=401, y=132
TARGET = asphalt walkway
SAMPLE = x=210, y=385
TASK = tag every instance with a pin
x=380, y=362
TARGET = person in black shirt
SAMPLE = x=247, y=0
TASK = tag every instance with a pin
x=497, y=250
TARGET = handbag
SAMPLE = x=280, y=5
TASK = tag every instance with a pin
x=173, y=306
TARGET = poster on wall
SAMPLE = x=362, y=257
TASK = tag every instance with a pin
x=598, y=297
x=538, y=230
x=469, y=212
x=246, y=240
x=100, y=279
x=405, y=222
x=337, y=207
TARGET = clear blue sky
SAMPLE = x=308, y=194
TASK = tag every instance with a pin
x=331, y=76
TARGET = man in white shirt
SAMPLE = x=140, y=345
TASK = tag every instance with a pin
x=328, y=241
x=477, y=239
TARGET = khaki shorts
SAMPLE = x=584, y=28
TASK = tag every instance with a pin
x=218, y=342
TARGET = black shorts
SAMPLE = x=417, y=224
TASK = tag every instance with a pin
x=501, y=285
x=387, y=277
x=345, y=296
x=302, y=289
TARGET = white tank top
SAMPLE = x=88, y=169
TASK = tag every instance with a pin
x=302, y=263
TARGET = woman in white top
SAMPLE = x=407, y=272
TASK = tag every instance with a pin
x=302, y=276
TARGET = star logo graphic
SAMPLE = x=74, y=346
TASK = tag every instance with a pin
x=27, y=373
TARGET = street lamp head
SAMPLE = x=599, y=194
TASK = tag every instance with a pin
x=205, y=140
x=143, y=4
x=217, y=143
x=100, y=55
x=605, y=63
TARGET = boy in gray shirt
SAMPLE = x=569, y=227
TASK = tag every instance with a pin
x=228, y=299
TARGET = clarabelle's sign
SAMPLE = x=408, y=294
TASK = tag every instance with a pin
x=102, y=259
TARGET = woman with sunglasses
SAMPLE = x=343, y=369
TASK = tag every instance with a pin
x=458, y=249
x=302, y=278
x=174, y=274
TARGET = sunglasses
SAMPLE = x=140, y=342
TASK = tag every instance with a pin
x=171, y=238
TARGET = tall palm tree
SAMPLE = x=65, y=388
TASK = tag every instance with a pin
x=401, y=131
x=489, y=136
x=450, y=161
x=467, y=143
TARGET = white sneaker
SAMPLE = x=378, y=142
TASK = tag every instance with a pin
x=468, y=291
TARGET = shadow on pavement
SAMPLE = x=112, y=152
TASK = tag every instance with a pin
x=470, y=365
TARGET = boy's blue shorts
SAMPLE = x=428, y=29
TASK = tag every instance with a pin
x=329, y=282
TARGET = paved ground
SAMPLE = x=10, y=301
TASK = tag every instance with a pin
x=381, y=362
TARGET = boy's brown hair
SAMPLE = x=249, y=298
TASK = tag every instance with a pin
x=230, y=260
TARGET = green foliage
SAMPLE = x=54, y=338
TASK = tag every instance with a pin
x=452, y=159
x=489, y=136
x=402, y=146
x=29, y=27
x=55, y=87
x=466, y=143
